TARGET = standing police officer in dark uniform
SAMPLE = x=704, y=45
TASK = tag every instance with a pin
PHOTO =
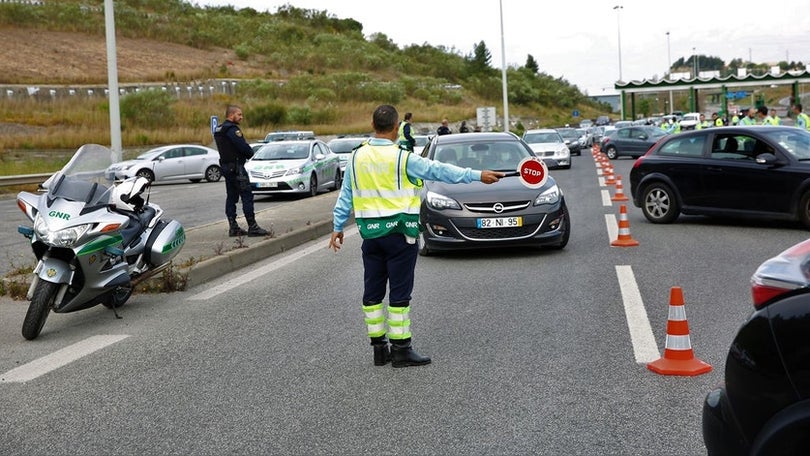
x=234, y=151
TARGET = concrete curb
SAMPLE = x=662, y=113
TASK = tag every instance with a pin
x=212, y=268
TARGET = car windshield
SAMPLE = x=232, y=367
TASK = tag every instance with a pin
x=283, y=151
x=421, y=140
x=147, y=155
x=796, y=142
x=345, y=146
x=494, y=155
x=569, y=134
x=542, y=138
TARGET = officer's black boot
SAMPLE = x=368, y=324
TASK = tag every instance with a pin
x=382, y=354
x=402, y=355
x=254, y=229
x=234, y=229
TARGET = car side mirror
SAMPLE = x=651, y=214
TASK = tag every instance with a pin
x=642, y=137
x=161, y=158
x=320, y=156
x=766, y=159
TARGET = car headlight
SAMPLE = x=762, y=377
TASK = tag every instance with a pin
x=550, y=196
x=437, y=201
x=294, y=171
x=60, y=238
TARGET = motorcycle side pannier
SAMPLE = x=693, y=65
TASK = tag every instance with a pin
x=164, y=242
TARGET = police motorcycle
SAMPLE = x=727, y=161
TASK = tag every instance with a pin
x=94, y=239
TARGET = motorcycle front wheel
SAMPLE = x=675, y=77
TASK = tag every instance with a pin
x=40, y=307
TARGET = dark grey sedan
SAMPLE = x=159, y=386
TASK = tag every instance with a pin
x=631, y=141
x=475, y=215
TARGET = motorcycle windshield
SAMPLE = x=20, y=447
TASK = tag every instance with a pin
x=85, y=177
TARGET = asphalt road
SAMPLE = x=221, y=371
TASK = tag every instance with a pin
x=531, y=351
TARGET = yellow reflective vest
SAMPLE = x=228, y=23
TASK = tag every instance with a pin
x=385, y=199
x=401, y=139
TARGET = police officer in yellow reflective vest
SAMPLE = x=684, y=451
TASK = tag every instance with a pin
x=382, y=184
x=802, y=119
x=405, y=134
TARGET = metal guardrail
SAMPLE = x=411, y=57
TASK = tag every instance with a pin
x=23, y=179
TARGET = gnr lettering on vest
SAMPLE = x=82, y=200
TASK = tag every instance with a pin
x=391, y=224
x=377, y=168
x=373, y=226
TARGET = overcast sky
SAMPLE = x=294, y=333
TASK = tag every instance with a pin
x=578, y=39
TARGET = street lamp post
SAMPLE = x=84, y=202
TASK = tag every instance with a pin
x=618, y=9
x=669, y=70
x=694, y=62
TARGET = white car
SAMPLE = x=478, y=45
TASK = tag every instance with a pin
x=294, y=167
x=344, y=146
x=181, y=161
x=690, y=120
x=421, y=142
x=549, y=146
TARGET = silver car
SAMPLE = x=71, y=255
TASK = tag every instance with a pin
x=181, y=161
x=549, y=146
x=344, y=146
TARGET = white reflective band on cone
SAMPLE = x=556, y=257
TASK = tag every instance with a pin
x=677, y=313
x=678, y=343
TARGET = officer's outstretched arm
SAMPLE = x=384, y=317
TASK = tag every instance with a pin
x=490, y=177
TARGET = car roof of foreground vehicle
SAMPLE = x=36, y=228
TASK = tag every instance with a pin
x=457, y=138
x=541, y=130
x=161, y=149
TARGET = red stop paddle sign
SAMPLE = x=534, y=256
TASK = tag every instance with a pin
x=533, y=172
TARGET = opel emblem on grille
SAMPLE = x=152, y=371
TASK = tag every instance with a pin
x=498, y=208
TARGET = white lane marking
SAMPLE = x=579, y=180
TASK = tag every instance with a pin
x=602, y=182
x=606, y=198
x=644, y=347
x=317, y=246
x=59, y=358
x=612, y=227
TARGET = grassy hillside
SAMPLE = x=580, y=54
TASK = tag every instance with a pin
x=297, y=69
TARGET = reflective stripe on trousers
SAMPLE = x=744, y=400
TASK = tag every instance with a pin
x=375, y=319
x=399, y=323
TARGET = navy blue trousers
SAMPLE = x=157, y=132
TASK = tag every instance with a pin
x=237, y=186
x=388, y=261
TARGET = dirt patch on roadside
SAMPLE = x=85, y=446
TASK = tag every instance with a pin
x=46, y=57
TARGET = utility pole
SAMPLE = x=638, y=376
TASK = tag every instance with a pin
x=112, y=83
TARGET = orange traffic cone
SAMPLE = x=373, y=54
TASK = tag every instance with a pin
x=679, y=359
x=624, y=239
x=610, y=179
x=596, y=148
x=619, y=196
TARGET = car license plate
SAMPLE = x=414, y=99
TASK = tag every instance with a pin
x=499, y=222
x=268, y=184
